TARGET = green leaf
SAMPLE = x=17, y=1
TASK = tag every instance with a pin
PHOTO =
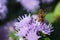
x=12, y=34
x=57, y=10
x=50, y=17
x=46, y=38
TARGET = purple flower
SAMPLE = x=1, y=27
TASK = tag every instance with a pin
x=29, y=29
x=22, y=25
x=3, y=9
x=32, y=36
x=46, y=29
x=30, y=5
x=4, y=32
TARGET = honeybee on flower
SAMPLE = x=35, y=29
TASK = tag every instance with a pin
x=29, y=25
x=41, y=15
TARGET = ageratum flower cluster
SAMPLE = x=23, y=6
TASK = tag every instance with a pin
x=3, y=9
x=28, y=27
x=29, y=5
x=32, y=5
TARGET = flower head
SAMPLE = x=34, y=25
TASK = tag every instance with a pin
x=3, y=9
x=30, y=5
x=28, y=27
x=22, y=25
x=44, y=28
x=32, y=36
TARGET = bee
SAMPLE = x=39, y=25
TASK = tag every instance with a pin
x=41, y=15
